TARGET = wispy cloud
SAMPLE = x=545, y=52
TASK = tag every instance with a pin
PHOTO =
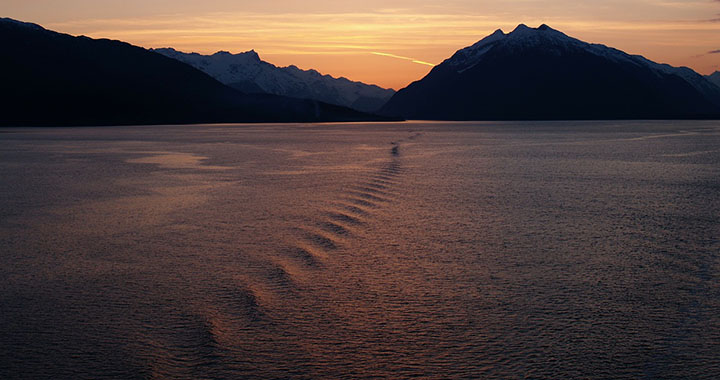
x=714, y=52
x=413, y=60
x=432, y=35
x=352, y=43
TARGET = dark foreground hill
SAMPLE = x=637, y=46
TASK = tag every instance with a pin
x=544, y=74
x=50, y=78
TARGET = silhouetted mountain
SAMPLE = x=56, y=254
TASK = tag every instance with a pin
x=714, y=78
x=247, y=72
x=544, y=74
x=50, y=78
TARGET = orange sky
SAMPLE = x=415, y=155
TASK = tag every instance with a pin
x=390, y=42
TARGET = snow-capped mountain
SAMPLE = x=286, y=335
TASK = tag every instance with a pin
x=248, y=73
x=541, y=73
x=51, y=78
x=714, y=78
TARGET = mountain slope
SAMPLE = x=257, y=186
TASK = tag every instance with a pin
x=714, y=78
x=247, y=72
x=56, y=79
x=544, y=74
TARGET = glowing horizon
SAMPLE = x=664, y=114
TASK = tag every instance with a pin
x=376, y=44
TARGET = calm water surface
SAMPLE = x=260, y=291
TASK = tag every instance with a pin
x=433, y=250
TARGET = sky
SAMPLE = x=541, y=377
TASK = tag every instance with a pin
x=385, y=42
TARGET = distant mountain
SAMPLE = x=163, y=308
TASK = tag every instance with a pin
x=50, y=78
x=248, y=73
x=714, y=78
x=543, y=74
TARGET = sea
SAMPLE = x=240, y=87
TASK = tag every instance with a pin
x=433, y=250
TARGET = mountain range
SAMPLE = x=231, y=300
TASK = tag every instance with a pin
x=714, y=78
x=248, y=73
x=541, y=73
x=50, y=78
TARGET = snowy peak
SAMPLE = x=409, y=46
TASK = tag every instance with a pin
x=522, y=36
x=521, y=28
x=248, y=73
x=547, y=40
x=248, y=55
x=543, y=33
x=545, y=27
x=542, y=73
x=77, y=80
x=467, y=57
x=714, y=78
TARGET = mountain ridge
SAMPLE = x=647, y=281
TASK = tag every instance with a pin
x=51, y=78
x=541, y=73
x=714, y=78
x=247, y=72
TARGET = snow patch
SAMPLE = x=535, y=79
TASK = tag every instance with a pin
x=247, y=68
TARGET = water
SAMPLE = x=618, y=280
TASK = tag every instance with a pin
x=434, y=250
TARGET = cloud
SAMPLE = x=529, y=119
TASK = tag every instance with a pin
x=717, y=16
x=413, y=60
x=278, y=33
x=343, y=43
x=714, y=52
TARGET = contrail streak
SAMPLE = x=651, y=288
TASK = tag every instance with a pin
x=401, y=57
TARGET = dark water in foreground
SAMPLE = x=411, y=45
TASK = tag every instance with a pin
x=435, y=250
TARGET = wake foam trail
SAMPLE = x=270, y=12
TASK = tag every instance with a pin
x=367, y=196
x=355, y=209
x=377, y=186
x=321, y=241
x=344, y=218
x=305, y=255
x=370, y=190
x=361, y=202
x=349, y=214
x=384, y=179
x=241, y=302
x=334, y=228
x=279, y=279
